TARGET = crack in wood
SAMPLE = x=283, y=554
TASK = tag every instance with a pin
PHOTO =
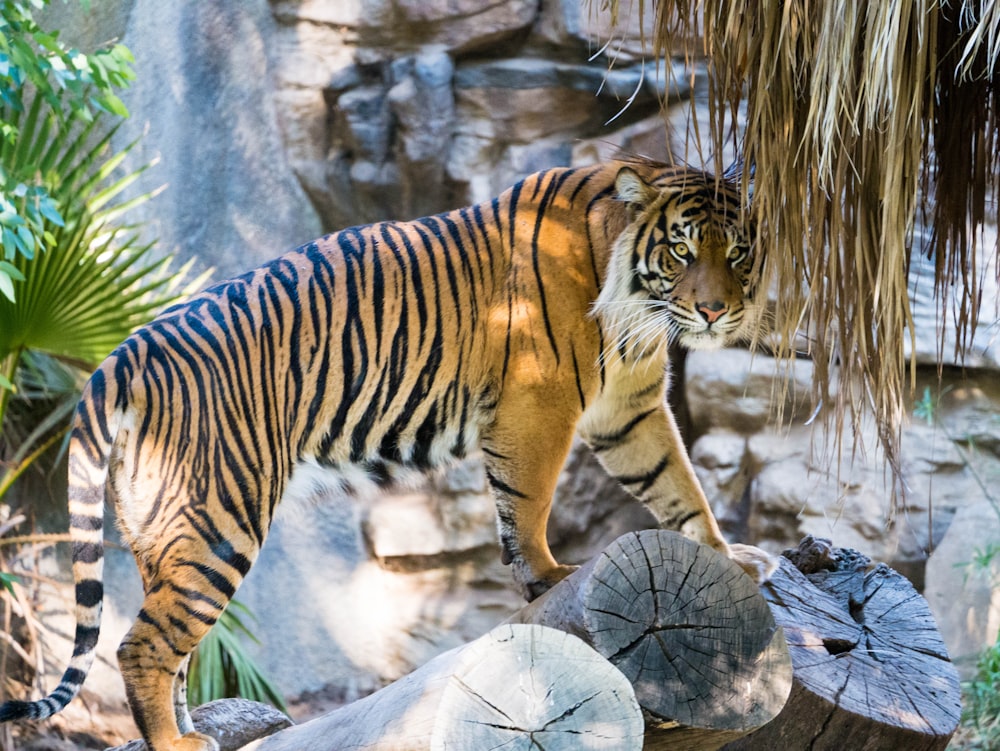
x=833, y=710
x=570, y=711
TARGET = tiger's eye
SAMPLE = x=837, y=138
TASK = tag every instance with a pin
x=681, y=252
x=738, y=253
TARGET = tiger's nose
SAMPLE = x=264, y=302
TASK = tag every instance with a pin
x=711, y=311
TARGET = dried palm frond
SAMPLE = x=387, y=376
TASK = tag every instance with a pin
x=860, y=118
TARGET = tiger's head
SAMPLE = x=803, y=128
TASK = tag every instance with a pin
x=684, y=267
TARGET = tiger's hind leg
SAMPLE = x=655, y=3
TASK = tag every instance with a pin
x=184, y=723
x=185, y=595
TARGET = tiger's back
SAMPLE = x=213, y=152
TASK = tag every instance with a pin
x=370, y=354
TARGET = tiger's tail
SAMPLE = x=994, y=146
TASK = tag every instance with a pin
x=93, y=433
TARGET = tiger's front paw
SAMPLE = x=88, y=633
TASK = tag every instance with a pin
x=533, y=587
x=193, y=742
x=759, y=564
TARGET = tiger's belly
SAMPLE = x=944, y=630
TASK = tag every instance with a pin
x=405, y=464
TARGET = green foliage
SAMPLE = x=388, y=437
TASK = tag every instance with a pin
x=980, y=730
x=7, y=582
x=79, y=299
x=926, y=407
x=47, y=393
x=221, y=668
x=35, y=66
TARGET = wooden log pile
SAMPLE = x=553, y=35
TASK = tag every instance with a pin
x=660, y=643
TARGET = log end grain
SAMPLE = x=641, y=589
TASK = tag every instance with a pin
x=689, y=629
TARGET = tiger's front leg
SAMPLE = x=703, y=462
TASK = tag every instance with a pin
x=524, y=452
x=634, y=435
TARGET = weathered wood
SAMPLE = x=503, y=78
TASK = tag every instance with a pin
x=520, y=687
x=871, y=671
x=686, y=626
x=232, y=722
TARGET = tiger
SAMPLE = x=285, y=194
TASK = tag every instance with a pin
x=392, y=349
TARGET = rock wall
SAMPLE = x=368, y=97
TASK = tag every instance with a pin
x=408, y=108
x=274, y=122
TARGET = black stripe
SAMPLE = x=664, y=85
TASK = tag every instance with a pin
x=413, y=265
x=585, y=181
x=146, y=618
x=497, y=484
x=225, y=551
x=425, y=438
x=87, y=552
x=445, y=255
x=550, y=194
x=17, y=710
x=74, y=676
x=89, y=592
x=378, y=472
x=459, y=247
x=86, y=522
x=483, y=231
x=645, y=481
x=676, y=522
x=217, y=580
x=606, y=441
x=208, y=620
x=363, y=427
x=195, y=595
x=321, y=285
x=178, y=624
x=85, y=641
x=579, y=385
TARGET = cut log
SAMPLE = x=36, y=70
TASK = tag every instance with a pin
x=870, y=669
x=519, y=687
x=686, y=626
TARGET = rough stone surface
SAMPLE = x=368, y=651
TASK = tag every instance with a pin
x=231, y=198
x=571, y=22
x=934, y=341
x=743, y=391
x=463, y=26
x=962, y=591
x=774, y=486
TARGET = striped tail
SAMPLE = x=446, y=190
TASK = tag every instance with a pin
x=90, y=447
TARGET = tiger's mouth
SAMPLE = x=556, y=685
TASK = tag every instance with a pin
x=694, y=331
x=706, y=338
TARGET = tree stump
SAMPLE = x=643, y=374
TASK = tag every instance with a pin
x=519, y=687
x=871, y=671
x=686, y=626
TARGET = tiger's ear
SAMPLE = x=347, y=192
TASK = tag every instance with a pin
x=633, y=190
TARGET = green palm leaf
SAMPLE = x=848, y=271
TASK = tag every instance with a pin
x=97, y=280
